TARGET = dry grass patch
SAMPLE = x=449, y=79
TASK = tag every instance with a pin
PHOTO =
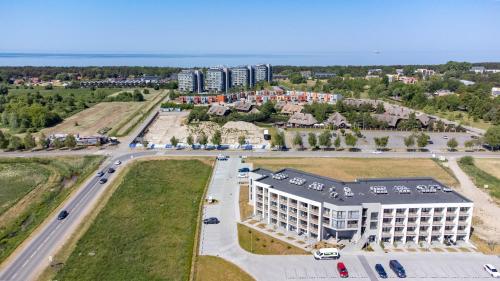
x=490, y=166
x=485, y=247
x=246, y=210
x=210, y=268
x=454, y=250
x=349, y=169
x=257, y=242
x=437, y=250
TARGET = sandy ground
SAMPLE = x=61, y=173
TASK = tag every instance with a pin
x=171, y=124
x=490, y=166
x=486, y=212
x=167, y=125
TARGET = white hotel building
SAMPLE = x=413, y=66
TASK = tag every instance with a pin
x=366, y=210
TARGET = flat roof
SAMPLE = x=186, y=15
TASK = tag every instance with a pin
x=377, y=190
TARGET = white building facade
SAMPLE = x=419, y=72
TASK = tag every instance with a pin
x=376, y=210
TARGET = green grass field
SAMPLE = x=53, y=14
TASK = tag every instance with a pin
x=18, y=179
x=146, y=231
x=31, y=188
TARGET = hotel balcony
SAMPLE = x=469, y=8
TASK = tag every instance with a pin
x=412, y=232
x=425, y=214
x=464, y=213
x=302, y=208
x=293, y=205
x=449, y=231
x=387, y=224
x=386, y=234
x=462, y=231
x=388, y=215
x=315, y=221
x=413, y=214
x=273, y=207
x=450, y=222
x=437, y=232
x=466, y=222
x=399, y=223
x=400, y=215
x=438, y=213
x=314, y=212
x=437, y=222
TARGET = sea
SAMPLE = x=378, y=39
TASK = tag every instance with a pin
x=206, y=60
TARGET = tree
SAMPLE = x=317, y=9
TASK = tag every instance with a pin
x=469, y=144
x=14, y=143
x=29, y=141
x=4, y=90
x=145, y=143
x=278, y=140
x=145, y=91
x=422, y=140
x=43, y=141
x=174, y=141
x=381, y=142
x=70, y=141
x=452, y=144
x=297, y=140
x=312, y=140
x=409, y=141
x=337, y=142
x=202, y=139
x=190, y=140
x=492, y=136
x=216, y=138
x=4, y=141
x=351, y=140
x=57, y=143
x=325, y=139
x=242, y=140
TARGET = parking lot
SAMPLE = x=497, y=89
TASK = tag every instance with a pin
x=396, y=139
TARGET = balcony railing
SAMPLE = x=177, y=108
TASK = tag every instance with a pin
x=400, y=215
x=413, y=214
x=437, y=232
x=388, y=215
x=425, y=214
x=462, y=231
x=463, y=213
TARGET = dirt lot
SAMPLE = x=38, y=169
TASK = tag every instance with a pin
x=349, y=169
x=104, y=114
x=171, y=124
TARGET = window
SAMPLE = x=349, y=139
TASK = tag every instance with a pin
x=353, y=215
x=374, y=224
x=340, y=215
x=374, y=216
x=340, y=224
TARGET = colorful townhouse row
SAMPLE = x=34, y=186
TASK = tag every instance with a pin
x=259, y=97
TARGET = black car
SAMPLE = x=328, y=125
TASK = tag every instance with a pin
x=211, y=220
x=103, y=180
x=397, y=268
x=100, y=174
x=244, y=170
x=381, y=271
x=62, y=215
x=111, y=170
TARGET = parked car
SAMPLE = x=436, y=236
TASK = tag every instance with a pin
x=212, y=220
x=118, y=162
x=244, y=170
x=221, y=157
x=342, y=270
x=492, y=271
x=103, y=180
x=100, y=174
x=111, y=170
x=327, y=254
x=62, y=215
x=397, y=268
x=380, y=271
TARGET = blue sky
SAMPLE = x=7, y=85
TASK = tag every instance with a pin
x=251, y=27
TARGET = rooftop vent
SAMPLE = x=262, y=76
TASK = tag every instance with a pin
x=334, y=195
x=379, y=189
x=401, y=189
x=348, y=192
x=428, y=188
x=317, y=186
x=280, y=176
x=447, y=189
x=297, y=181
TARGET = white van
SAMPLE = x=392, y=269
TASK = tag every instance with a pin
x=327, y=254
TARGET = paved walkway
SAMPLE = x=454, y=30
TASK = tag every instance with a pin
x=484, y=208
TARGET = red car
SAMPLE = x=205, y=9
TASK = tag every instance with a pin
x=342, y=270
